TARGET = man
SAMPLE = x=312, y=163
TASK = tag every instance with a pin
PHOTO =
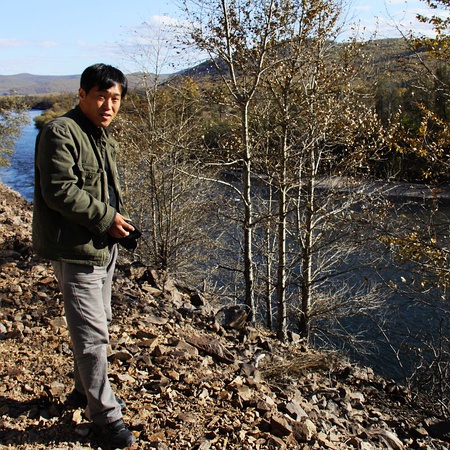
x=78, y=213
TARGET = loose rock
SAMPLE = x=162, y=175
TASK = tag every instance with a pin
x=192, y=375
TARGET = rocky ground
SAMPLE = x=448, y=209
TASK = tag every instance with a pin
x=194, y=375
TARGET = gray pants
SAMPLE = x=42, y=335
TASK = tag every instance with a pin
x=86, y=292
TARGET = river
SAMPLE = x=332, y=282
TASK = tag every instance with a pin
x=405, y=316
x=20, y=175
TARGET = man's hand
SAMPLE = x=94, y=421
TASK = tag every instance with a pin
x=120, y=227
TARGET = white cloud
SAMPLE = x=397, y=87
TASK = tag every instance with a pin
x=154, y=45
x=13, y=43
x=164, y=20
x=388, y=19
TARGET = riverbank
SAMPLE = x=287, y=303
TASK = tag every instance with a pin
x=393, y=190
x=191, y=377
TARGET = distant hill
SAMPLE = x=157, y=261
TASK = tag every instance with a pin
x=390, y=56
x=28, y=84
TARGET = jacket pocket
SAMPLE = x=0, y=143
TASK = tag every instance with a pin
x=91, y=178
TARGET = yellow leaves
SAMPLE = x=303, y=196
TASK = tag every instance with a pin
x=427, y=146
x=440, y=23
x=414, y=247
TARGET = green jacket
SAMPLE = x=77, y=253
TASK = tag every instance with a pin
x=71, y=210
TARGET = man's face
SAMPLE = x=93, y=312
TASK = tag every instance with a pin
x=100, y=107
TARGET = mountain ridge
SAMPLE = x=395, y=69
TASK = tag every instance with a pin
x=386, y=54
x=29, y=84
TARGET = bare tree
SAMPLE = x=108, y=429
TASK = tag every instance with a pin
x=237, y=37
x=162, y=124
x=285, y=57
x=320, y=127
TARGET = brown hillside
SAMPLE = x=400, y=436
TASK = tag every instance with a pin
x=28, y=84
x=193, y=375
x=389, y=57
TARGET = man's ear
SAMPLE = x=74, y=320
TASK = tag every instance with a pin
x=81, y=93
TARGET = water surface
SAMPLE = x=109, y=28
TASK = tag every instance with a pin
x=20, y=175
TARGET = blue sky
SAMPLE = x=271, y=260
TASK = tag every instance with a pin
x=54, y=37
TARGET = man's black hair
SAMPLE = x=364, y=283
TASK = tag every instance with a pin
x=103, y=76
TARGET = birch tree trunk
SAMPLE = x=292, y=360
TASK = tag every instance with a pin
x=248, y=217
x=281, y=271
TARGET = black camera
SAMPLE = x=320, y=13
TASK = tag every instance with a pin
x=129, y=242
